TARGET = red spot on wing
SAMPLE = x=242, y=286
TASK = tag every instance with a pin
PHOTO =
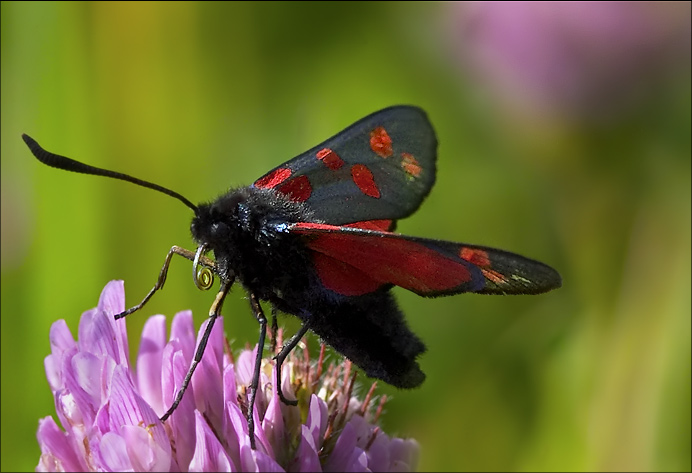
x=475, y=256
x=330, y=158
x=379, y=225
x=298, y=189
x=341, y=277
x=481, y=259
x=273, y=179
x=364, y=180
x=307, y=226
x=410, y=165
x=380, y=142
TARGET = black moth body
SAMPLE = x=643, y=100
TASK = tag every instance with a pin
x=245, y=229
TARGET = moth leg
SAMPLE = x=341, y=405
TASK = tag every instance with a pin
x=175, y=250
x=274, y=329
x=281, y=356
x=254, y=385
x=214, y=312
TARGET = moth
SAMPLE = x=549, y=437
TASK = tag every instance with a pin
x=315, y=238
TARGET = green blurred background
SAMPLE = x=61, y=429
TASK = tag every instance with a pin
x=578, y=157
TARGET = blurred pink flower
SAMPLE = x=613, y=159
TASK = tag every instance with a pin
x=578, y=59
x=111, y=414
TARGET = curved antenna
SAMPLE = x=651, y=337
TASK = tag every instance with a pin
x=67, y=164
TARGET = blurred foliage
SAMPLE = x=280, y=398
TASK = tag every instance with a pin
x=202, y=96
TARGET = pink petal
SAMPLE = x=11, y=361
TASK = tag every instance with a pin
x=149, y=362
x=61, y=338
x=97, y=335
x=239, y=424
x=61, y=341
x=207, y=379
x=112, y=451
x=273, y=424
x=290, y=414
x=183, y=330
x=286, y=386
x=74, y=406
x=266, y=463
x=112, y=298
x=230, y=387
x=145, y=452
x=346, y=456
x=251, y=460
x=127, y=408
x=209, y=453
x=247, y=459
x=261, y=441
x=378, y=453
x=244, y=367
x=254, y=460
x=182, y=421
x=216, y=339
x=307, y=458
x=233, y=428
x=362, y=429
x=86, y=369
x=404, y=454
x=102, y=422
x=358, y=461
x=57, y=452
x=52, y=364
x=112, y=302
x=317, y=419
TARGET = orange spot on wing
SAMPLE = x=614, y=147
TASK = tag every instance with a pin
x=380, y=142
x=410, y=165
x=494, y=276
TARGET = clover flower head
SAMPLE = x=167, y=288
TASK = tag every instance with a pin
x=110, y=412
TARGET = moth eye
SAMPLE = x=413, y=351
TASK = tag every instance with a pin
x=219, y=228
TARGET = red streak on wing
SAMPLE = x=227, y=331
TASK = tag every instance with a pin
x=386, y=258
x=330, y=158
x=298, y=189
x=273, y=179
x=380, y=142
x=494, y=276
x=379, y=225
x=307, y=226
x=364, y=180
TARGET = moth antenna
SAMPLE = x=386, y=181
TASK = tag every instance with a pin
x=67, y=164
